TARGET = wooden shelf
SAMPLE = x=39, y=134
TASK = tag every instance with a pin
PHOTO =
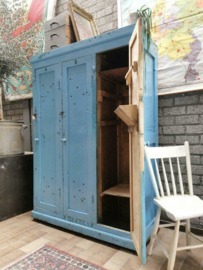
x=120, y=190
x=128, y=114
x=102, y=94
x=117, y=74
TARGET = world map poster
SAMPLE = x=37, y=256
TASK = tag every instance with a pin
x=178, y=32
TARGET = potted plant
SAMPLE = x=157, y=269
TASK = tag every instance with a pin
x=16, y=40
x=16, y=46
x=146, y=14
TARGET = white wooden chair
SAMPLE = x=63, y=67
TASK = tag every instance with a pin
x=177, y=207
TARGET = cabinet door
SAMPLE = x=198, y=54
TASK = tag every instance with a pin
x=47, y=125
x=143, y=93
x=79, y=147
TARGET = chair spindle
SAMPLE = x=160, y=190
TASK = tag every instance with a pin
x=165, y=178
x=172, y=178
x=159, y=179
x=180, y=177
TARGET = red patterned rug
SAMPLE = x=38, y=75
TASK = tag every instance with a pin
x=50, y=258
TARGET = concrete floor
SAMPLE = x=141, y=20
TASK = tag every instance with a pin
x=22, y=235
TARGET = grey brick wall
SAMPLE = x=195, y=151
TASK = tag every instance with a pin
x=104, y=12
x=180, y=120
x=13, y=110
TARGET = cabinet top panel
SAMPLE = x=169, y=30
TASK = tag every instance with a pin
x=92, y=45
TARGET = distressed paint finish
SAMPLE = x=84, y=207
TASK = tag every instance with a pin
x=74, y=139
x=78, y=130
x=47, y=140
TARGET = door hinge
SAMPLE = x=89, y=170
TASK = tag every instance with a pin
x=58, y=84
x=92, y=198
x=59, y=192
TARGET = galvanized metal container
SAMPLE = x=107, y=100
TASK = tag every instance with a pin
x=11, y=137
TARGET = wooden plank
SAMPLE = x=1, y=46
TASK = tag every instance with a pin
x=117, y=74
x=99, y=149
x=135, y=150
x=102, y=93
x=128, y=113
x=108, y=123
x=119, y=146
x=120, y=190
x=128, y=76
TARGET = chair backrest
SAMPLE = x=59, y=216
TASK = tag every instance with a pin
x=156, y=153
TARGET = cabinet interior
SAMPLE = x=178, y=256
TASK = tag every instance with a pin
x=113, y=140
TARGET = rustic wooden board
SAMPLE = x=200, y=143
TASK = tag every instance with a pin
x=117, y=74
x=120, y=190
x=128, y=113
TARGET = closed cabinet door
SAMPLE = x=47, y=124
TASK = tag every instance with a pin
x=47, y=125
x=79, y=140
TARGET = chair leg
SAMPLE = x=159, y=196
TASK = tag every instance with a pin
x=187, y=230
x=154, y=232
x=172, y=256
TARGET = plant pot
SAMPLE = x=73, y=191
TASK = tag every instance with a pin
x=132, y=18
x=11, y=137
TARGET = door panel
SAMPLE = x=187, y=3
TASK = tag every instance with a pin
x=47, y=139
x=135, y=139
x=143, y=93
x=78, y=130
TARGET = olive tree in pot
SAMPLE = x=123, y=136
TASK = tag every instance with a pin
x=16, y=40
x=17, y=35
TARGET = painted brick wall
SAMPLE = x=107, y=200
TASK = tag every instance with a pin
x=104, y=12
x=180, y=120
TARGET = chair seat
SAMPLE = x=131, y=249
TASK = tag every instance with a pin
x=180, y=207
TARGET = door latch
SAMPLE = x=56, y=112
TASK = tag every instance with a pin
x=63, y=140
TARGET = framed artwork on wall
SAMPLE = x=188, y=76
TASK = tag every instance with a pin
x=84, y=24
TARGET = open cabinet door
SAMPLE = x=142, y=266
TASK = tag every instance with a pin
x=142, y=82
x=134, y=79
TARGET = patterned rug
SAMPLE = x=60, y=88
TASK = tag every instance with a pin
x=50, y=258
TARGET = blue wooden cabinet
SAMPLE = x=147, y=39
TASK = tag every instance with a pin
x=90, y=174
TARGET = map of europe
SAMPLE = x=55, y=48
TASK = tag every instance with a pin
x=178, y=33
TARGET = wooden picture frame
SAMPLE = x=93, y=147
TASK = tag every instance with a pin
x=84, y=24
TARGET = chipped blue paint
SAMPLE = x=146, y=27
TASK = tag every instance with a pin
x=65, y=106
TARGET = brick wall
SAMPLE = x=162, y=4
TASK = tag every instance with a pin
x=104, y=12
x=180, y=120
x=13, y=110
